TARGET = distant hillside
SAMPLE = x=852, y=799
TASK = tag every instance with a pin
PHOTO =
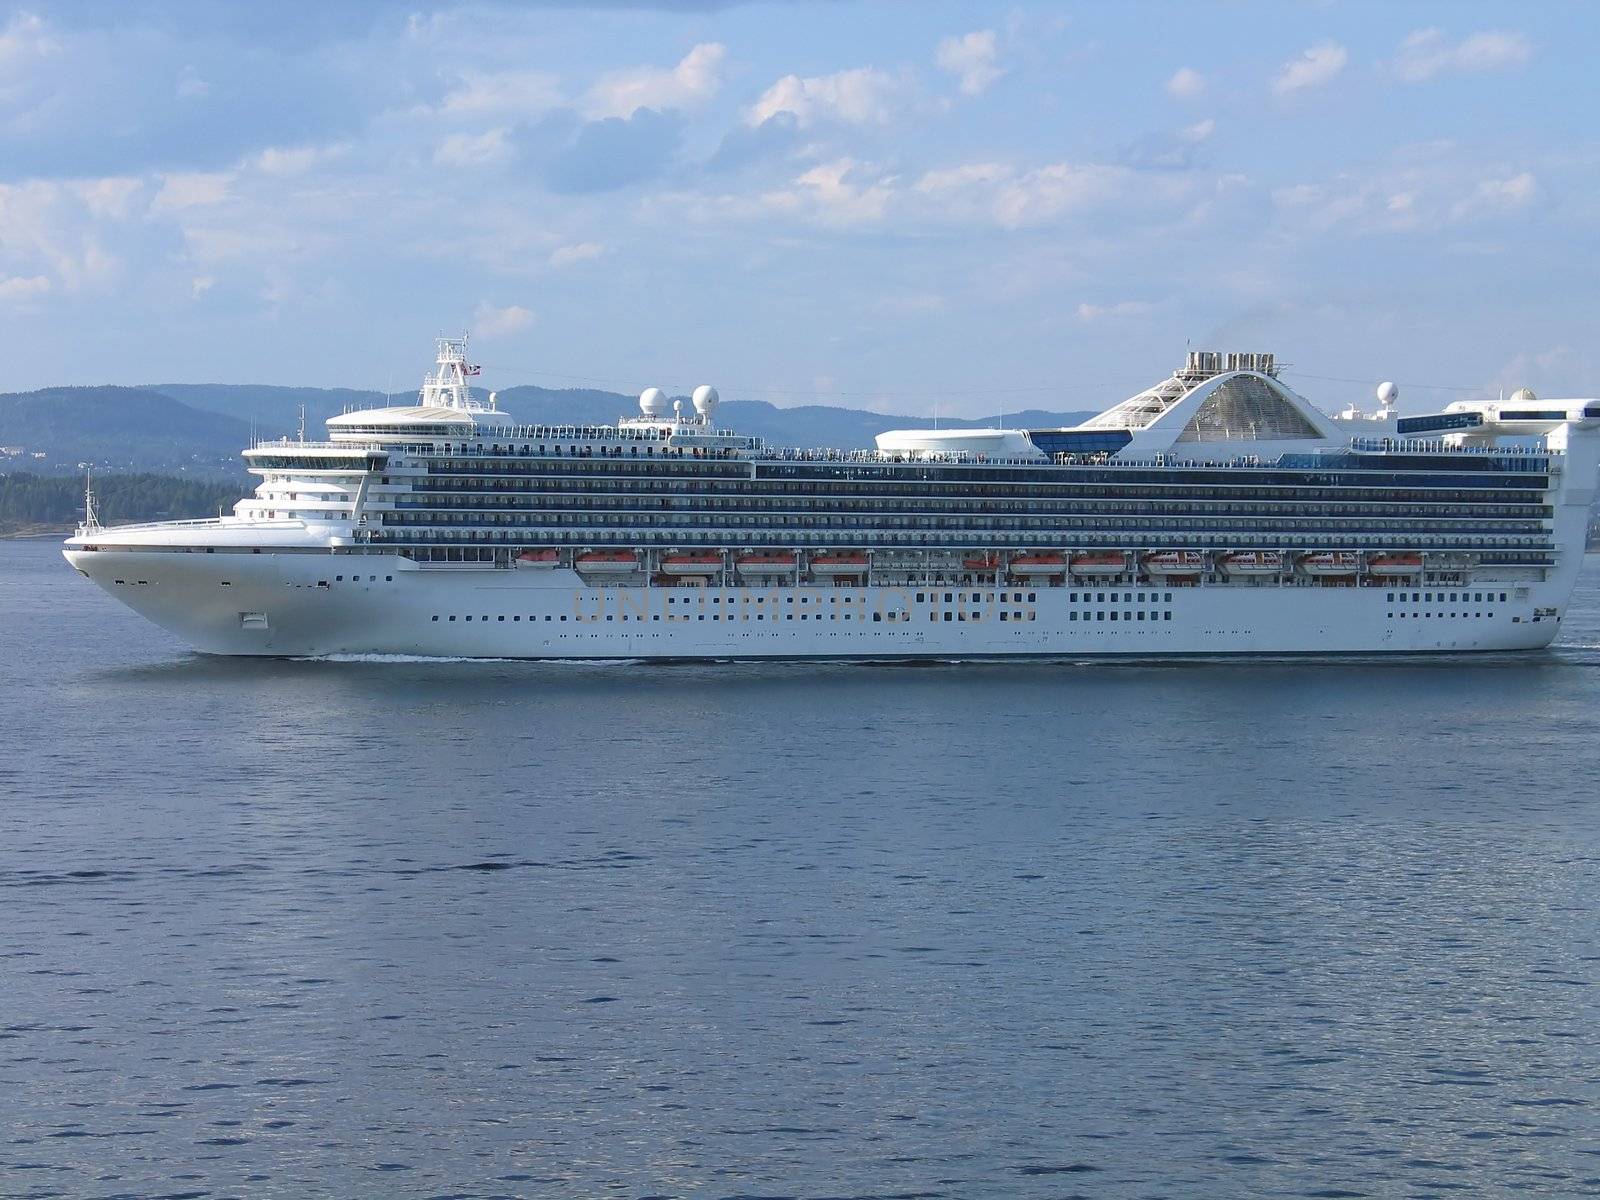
x=118, y=429
x=810, y=425
x=807, y=425
x=32, y=503
x=277, y=408
x=199, y=428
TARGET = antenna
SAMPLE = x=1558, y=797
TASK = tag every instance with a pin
x=91, y=519
x=302, y=421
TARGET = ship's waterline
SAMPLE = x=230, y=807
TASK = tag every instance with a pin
x=1215, y=513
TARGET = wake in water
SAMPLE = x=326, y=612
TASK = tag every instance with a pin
x=442, y=658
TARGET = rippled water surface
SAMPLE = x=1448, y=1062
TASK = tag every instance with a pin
x=1283, y=928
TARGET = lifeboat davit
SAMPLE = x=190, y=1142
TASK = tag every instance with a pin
x=1099, y=562
x=691, y=564
x=1252, y=562
x=1038, y=564
x=1330, y=562
x=765, y=564
x=1174, y=562
x=1390, y=565
x=607, y=562
x=539, y=558
x=847, y=563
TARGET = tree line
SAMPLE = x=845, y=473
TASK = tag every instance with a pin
x=28, y=500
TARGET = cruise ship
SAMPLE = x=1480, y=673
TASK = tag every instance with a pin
x=1215, y=513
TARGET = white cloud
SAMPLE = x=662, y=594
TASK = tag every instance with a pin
x=1492, y=197
x=473, y=149
x=18, y=290
x=971, y=58
x=294, y=160
x=111, y=198
x=192, y=189
x=1426, y=53
x=952, y=178
x=1186, y=84
x=864, y=96
x=1199, y=131
x=696, y=78
x=996, y=194
x=200, y=285
x=1319, y=65
x=503, y=93
x=489, y=322
x=1122, y=308
x=191, y=86
x=51, y=231
x=1427, y=195
x=844, y=192
x=1057, y=190
x=910, y=304
x=565, y=256
x=24, y=36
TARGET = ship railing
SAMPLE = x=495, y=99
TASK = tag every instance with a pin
x=1393, y=445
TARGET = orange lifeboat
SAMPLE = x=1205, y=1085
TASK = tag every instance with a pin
x=1038, y=564
x=1390, y=565
x=1174, y=562
x=539, y=558
x=1099, y=562
x=607, y=562
x=691, y=564
x=1330, y=562
x=1252, y=562
x=981, y=562
x=765, y=563
x=848, y=562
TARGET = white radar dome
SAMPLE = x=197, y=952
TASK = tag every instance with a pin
x=1388, y=393
x=705, y=399
x=652, y=402
x=1523, y=396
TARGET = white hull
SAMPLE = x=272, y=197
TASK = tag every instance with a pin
x=295, y=604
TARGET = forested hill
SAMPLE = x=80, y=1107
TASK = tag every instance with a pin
x=809, y=425
x=117, y=429
x=199, y=429
x=54, y=503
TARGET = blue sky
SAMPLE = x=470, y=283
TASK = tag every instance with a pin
x=903, y=206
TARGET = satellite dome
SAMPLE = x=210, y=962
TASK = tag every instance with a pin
x=705, y=399
x=1523, y=396
x=652, y=402
x=1388, y=393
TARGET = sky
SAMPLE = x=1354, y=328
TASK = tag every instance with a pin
x=917, y=207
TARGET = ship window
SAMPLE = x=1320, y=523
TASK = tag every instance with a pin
x=469, y=618
x=1073, y=615
x=502, y=618
x=1247, y=408
x=436, y=617
x=1167, y=616
x=452, y=617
